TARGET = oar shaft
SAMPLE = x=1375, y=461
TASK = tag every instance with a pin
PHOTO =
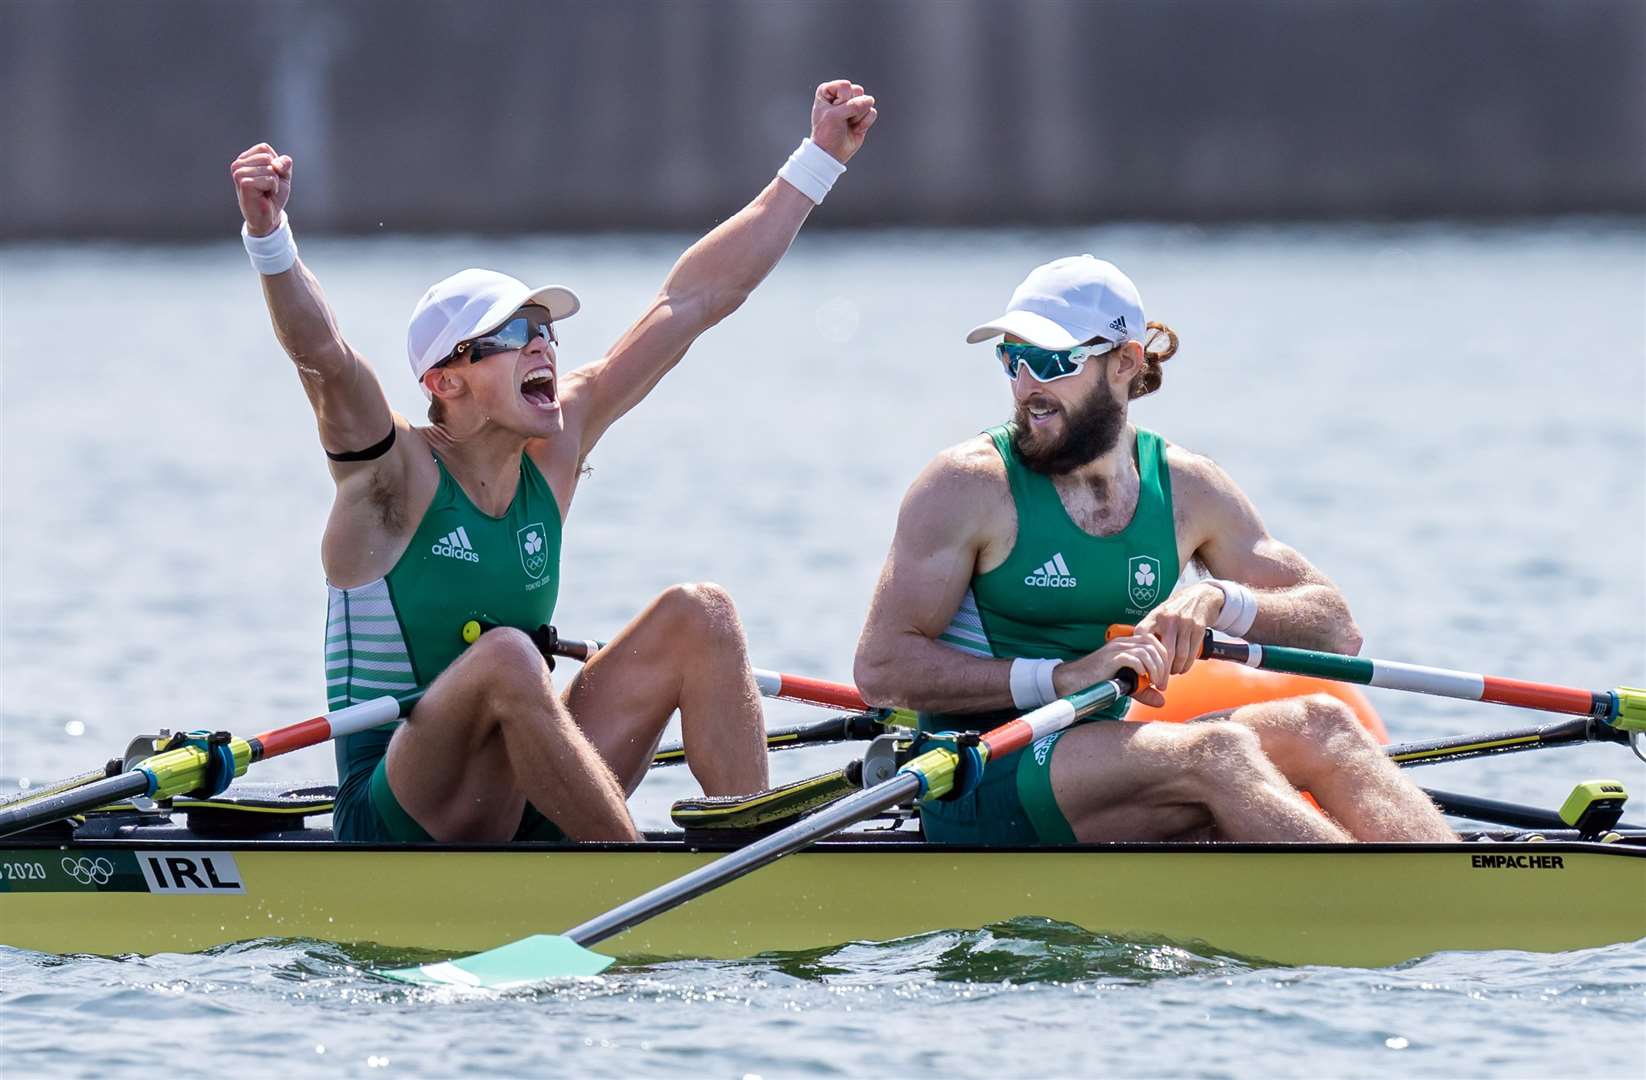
x=127, y=785
x=1392, y=675
x=929, y=776
x=1514, y=815
x=772, y=684
x=182, y=770
x=1463, y=747
x=851, y=726
x=843, y=814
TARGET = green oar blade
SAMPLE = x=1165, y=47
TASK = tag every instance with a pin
x=519, y=963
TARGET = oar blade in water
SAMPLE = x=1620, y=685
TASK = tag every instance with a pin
x=519, y=963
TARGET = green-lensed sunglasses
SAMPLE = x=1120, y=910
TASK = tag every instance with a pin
x=1048, y=365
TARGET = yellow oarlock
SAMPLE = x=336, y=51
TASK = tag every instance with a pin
x=1594, y=806
x=1631, y=708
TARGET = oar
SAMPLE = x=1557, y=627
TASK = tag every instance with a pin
x=1623, y=708
x=1462, y=747
x=68, y=783
x=206, y=763
x=849, y=727
x=772, y=684
x=929, y=776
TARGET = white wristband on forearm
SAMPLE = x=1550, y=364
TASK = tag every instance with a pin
x=1239, y=608
x=274, y=253
x=1032, y=682
x=812, y=170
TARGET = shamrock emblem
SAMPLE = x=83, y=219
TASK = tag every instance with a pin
x=533, y=558
x=1144, y=575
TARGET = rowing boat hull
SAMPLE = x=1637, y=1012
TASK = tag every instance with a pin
x=1355, y=905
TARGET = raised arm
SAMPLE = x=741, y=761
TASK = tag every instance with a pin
x=1296, y=604
x=713, y=278
x=348, y=402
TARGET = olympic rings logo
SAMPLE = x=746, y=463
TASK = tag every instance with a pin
x=89, y=871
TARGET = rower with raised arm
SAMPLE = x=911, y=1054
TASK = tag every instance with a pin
x=1016, y=551
x=460, y=521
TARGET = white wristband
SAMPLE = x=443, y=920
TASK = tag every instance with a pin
x=1239, y=608
x=274, y=253
x=812, y=170
x=1032, y=682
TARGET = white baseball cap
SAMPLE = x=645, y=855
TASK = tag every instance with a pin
x=1068, y=302
x=469, y=304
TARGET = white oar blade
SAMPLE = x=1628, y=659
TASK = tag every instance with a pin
x=519, y=963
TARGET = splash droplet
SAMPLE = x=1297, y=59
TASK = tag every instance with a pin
x=75, y=727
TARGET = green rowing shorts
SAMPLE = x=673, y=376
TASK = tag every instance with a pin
x=375, y=816
x=1012, y=807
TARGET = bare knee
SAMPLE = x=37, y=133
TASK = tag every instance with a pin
x=1327, y=720
x=1218, y=747
x=511, y=669
x=699, y=611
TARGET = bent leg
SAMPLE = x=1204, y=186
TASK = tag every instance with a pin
x=685, y=651
x=1157, y=781
x=488, y=736
x=1318, y=744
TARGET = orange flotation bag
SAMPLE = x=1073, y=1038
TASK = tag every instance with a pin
x=1212, y=685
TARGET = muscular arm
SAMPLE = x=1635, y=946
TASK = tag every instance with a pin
x=711, y=280
x=1297, y=605
x=934, y=553
x=369, y=523
x=348, y=402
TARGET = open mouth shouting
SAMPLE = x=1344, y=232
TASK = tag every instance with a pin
x=538, y=388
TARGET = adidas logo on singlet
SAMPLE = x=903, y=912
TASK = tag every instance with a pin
x=455, y=545
x=1054, y=575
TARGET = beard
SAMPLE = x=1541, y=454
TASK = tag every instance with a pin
x=1091, y=429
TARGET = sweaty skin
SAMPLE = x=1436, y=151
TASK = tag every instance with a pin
x=491, y=732
x=1238, y=771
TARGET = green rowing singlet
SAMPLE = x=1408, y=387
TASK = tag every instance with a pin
x=1055, y=596
x=397, y=633
x=1061, y=588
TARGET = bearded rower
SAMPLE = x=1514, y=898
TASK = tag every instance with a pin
x=435, y=526
x=1017, y=550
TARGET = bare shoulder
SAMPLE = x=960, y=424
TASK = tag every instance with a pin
x=972, y=468
x=962, y=491
x=1198, y=482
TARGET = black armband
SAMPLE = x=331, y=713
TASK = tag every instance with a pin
x=375, y=450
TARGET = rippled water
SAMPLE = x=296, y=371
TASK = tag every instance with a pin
x=1448, y=421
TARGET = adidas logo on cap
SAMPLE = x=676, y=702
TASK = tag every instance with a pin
x=1118, y=323
x=1054, y=575
x=455, y=545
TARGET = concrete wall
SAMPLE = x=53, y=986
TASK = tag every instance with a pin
x=120, y=119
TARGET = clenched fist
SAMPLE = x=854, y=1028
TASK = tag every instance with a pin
x=842, y=115
x=262, y=183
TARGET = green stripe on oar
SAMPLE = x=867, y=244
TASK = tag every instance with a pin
x=1622, y=707
x=929, y=776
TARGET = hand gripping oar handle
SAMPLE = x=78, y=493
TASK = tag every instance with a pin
x=772, y=684
x=1623, y=708
x=928, y=776
x=182, y=770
